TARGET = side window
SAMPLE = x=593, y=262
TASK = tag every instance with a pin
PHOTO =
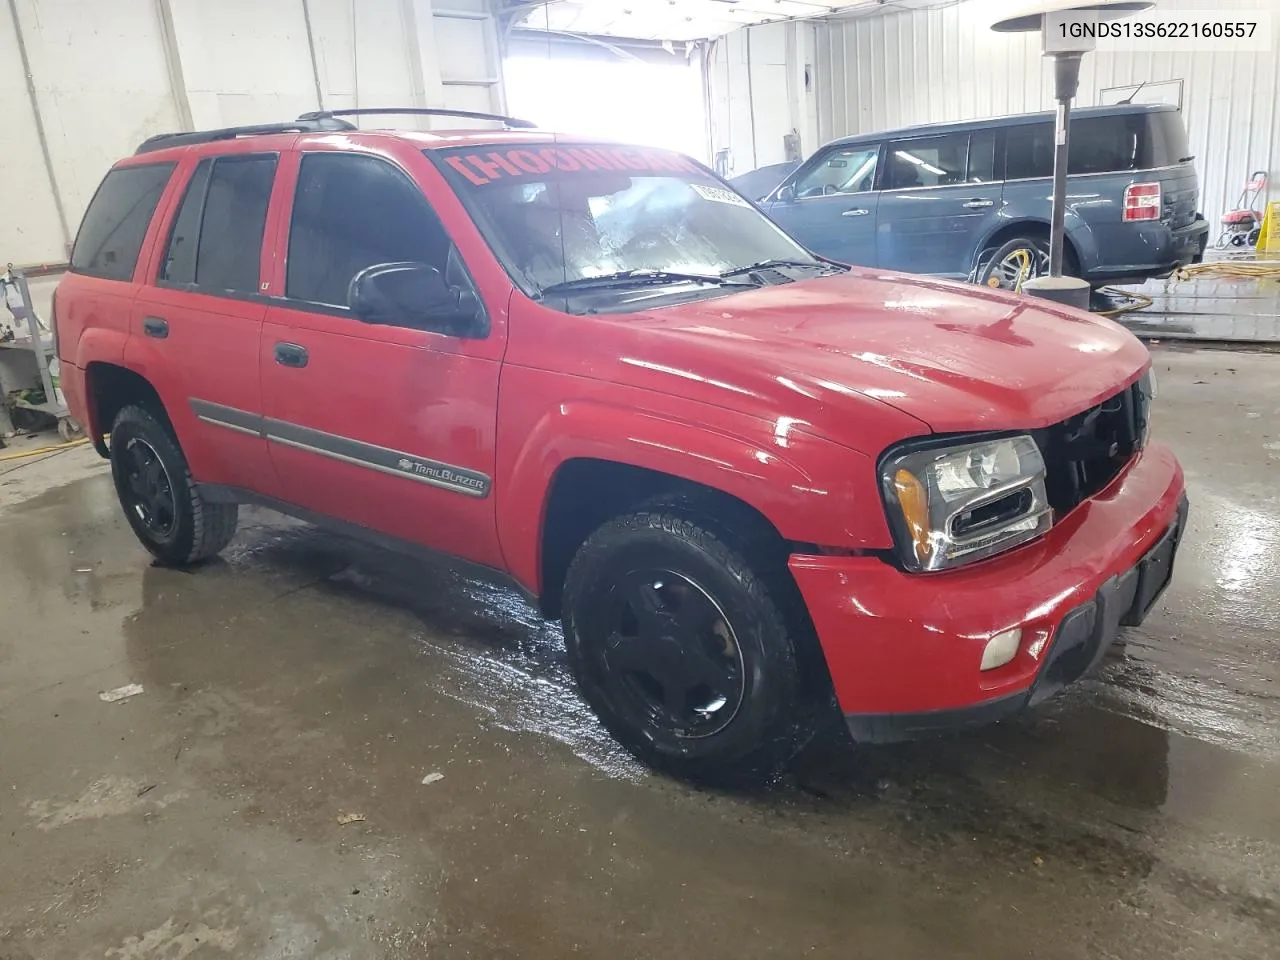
x=235, y=216
x=982, y=157
x=351, y=212
x=216, y=239
x=179, y=263
x=1029, y=151
x=927, y=162
x=843, y=170
x=116, y=222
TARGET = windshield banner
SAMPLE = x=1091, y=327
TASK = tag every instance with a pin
x=483, y=167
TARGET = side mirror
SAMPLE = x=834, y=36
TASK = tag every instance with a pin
x=412, y=295
x=786, y=193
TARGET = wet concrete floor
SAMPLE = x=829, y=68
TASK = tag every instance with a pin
x=306, y=679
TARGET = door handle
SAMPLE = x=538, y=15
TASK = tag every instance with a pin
x=291, y=355
x=155, y=327
x=856, y=212
x=978, y=204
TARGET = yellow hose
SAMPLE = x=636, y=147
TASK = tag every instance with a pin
x=1230, y=268
x=1136, y=302
x=41, y=450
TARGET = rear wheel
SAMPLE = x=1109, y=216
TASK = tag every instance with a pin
x=1018, y=260
x=161, y=501
x=680, y=644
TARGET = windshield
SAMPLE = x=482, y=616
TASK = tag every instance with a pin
x=559, y=216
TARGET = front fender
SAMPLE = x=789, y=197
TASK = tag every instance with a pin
x=810, y=489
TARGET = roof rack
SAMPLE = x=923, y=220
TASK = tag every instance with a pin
x=511, y=122
x=304, y=124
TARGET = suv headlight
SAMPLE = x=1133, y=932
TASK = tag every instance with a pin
x=955, y=504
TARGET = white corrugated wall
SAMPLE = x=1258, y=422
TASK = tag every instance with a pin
x=760, y=90
x=940, y=64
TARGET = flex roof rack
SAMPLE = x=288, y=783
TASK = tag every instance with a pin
x=419, y=112
x=318, y=121
x=163, y=141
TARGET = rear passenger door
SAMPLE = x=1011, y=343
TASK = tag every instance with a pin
x=196, y=325
x=939, y=199
x=830, y=205
x=388, y=427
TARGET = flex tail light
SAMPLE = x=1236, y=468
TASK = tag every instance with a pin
x=1142, y=201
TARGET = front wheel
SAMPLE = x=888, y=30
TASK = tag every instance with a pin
x=680, y=644
x=161, y=501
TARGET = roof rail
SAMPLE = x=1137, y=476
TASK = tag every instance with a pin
x=511, y=122
x=308, y=124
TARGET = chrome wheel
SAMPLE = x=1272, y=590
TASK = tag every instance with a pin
x=1017, y=266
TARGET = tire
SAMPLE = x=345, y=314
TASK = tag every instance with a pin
x=671, y=560
x=987, y=267
x=182, y=529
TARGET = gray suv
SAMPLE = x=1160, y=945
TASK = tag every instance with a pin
x=949, y=199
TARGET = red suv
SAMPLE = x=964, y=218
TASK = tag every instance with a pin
x=742, y=475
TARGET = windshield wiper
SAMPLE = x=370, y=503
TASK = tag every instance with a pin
x=640, y=278
x=766, y=264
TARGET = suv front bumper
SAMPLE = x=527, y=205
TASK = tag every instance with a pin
x=904, y=649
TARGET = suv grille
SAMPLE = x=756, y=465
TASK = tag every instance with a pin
x=1082, y=454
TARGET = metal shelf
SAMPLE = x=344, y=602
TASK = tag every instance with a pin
x=24, y=343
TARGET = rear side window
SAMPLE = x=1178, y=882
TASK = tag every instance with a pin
x=115, y=224
x=982, y=156
x=1110, y=144
x=216, y=240
x=1029, y=151
x=1135, y=141
x=351, y=212
x=928, y=162
x=179, y=263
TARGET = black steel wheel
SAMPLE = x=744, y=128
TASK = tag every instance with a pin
x=687, y=645
x=161, y=501
x=669, y=656
x=148, y=490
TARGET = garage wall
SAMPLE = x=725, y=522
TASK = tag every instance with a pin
x=761, y=89
x=106, y=75
x=944, y=64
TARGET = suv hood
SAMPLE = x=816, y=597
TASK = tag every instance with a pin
x=955, y=357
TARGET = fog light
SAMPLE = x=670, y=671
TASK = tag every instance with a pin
x=1036, y=646
x=1001, y=648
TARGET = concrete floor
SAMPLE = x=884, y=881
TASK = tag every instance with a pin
x=1222, y=309
x=306, y=679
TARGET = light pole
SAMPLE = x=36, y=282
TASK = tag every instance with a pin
x=1065, y=37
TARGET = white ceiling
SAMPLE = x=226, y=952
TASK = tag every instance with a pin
x=678, y=20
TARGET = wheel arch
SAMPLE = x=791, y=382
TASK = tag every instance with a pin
x=109, y=388
x=1026, y=227
x=587, y=492
x=803, y=488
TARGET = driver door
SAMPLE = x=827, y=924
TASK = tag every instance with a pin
x=830, y=205
x=388, y=427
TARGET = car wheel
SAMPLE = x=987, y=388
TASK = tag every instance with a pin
x=1015, y=261
x=161, y=501
x=680, y=644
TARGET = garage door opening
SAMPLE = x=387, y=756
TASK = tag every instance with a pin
x=648, y=97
